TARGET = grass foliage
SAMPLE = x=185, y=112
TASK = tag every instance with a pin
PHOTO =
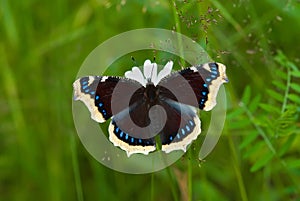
x=42, y=45
x=270, y=128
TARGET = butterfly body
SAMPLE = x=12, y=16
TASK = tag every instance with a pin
x=151, y=94
x=142, y=106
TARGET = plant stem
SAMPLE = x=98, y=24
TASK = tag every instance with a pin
x=178, y=29
x=173, y=184
x=237, y=171
x=190, y=176
x=286, y=93
x=76, y=169
x=259, y=129
x=152, y=187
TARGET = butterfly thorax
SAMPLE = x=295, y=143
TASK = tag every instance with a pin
x=151, y=93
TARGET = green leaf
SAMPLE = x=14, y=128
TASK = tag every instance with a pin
x=251, y=151
x=270, y=108
x=295, y=73
x=284, y=61
x=295, y=98
x=279, y=85
x=292, y=66
x=293, y=163
x=235, y=113
x=262, y=161
x=295, y=87
x=251, y=136
x=246, y=95
x=241, y=124
x=280, y=58
x=286, y=145
x=266, y=121
x=277, y=96
x=254, y=103
x=281, y=74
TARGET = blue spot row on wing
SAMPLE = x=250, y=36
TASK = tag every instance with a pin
x=186, y=130
x=100, y=106
x=128, y=139
x=87, y=90
x=85, y=86
x=201, y=103
x=208, y=80
x=204, y=96
x=214, y=70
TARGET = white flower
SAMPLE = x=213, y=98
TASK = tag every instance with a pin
x=150, y=73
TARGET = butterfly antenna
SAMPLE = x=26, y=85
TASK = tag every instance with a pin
x=180, y=64
x=133, y=60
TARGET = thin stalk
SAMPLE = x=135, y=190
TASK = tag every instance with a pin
x=76, y=171
x=190, y=176
x=259, y=129
x=178, y=29
x=286, y=93
x=173, y=184
x=152, y=187
x=237, y=171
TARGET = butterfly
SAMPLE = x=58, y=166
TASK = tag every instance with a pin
x=150, y=110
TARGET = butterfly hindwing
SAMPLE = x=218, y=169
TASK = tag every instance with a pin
x=181, y=128
x=128, y=143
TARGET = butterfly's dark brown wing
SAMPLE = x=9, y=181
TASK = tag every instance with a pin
x=197, y=86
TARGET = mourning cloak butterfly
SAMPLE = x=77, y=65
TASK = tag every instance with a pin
x=143, y=105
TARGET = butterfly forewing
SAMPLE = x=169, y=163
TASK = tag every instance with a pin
x=196, y=86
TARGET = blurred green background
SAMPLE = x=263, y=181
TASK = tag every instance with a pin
x=42, y=46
